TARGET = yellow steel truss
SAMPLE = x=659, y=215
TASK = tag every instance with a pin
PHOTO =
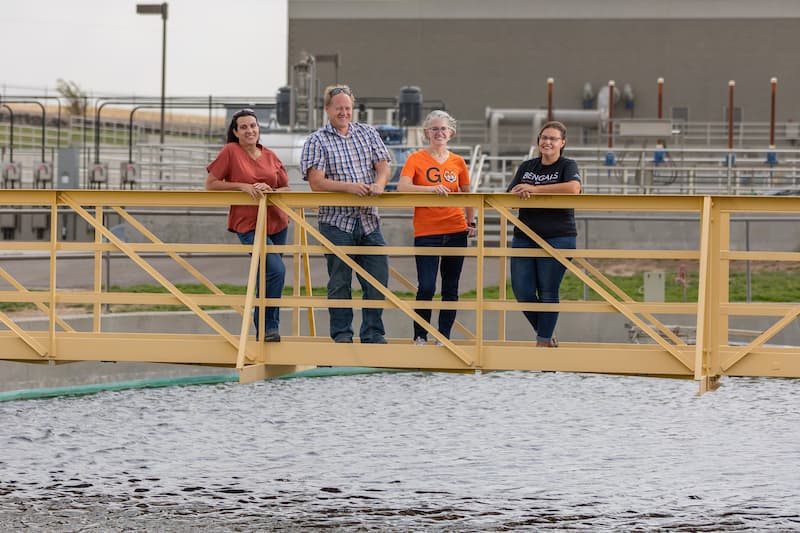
x=711, y=356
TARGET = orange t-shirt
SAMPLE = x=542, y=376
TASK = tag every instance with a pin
x=235, y=165
x=424, y=170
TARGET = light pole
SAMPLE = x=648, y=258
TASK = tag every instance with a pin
x=159, y=9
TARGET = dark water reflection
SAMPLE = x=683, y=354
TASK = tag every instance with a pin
x=408, y=452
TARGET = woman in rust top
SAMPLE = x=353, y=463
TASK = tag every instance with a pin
x=244, y=165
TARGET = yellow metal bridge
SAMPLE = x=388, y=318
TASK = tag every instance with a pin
x=706, y=358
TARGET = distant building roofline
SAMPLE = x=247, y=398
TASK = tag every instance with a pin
x=537, y=9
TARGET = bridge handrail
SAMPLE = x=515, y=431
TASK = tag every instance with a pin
x=712, y=355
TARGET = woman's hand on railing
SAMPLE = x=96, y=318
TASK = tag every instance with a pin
x=255, y=190
x=523, y=190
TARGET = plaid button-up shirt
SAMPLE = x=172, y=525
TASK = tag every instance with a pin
x=349, y=158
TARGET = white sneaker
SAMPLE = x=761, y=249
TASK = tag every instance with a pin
x=438, y=343
x=419, y=341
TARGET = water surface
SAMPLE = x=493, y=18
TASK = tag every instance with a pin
x=408, y=452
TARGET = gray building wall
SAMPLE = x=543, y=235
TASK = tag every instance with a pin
x=500, y=54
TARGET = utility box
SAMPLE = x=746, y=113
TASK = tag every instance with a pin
x=129, y=174
x=68, y=170
x=8, y=225
x=654, y=287
x=40, y=223
x=98, y=175
x=43, y=175
x=12, y=174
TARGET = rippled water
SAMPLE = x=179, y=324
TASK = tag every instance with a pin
x=408, y=452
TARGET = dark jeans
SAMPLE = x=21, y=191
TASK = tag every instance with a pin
x=273, y=280
x=340, y=280
x=538, y=279
x=427, y=265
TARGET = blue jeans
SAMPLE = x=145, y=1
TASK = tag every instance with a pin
x=427, y=265
x=274, y=278
x=340, y=279
x=537, y=280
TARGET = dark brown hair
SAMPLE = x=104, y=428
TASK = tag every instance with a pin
x=554, y=124
x=231, y=138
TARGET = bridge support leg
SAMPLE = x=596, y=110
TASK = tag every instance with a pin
x=260, y=372
x=708, y=384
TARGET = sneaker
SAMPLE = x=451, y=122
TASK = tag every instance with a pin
x=438, y=343
x=419, y=341
x=272, y=336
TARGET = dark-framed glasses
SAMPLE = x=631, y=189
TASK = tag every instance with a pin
x=547, y=138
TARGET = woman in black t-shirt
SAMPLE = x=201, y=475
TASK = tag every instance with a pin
x=538, y=279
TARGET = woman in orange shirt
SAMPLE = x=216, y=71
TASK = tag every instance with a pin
x=244, y=165
x=436, y=170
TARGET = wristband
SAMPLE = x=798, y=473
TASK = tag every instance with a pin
x=473, y=224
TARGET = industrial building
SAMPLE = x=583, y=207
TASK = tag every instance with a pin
x=474, y=55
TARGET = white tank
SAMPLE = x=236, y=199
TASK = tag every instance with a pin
x=287, y=146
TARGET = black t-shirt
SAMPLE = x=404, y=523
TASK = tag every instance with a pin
x=546, y=222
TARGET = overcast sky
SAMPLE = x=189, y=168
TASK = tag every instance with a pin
x=218, y=47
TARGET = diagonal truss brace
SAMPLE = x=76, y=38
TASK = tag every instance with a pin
x=259, y=243
x=23, y=335
x=764, y=337
x=389, y=295
x=177, y=258
x=619, y=306
x=42, y=307
x=136, y=258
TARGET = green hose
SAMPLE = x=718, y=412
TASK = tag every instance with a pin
x=79, y=390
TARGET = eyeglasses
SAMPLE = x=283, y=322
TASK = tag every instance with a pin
x=439, y=129
x=547, y=138
x=340, y=90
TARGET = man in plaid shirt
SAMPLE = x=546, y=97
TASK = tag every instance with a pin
x=345, y=156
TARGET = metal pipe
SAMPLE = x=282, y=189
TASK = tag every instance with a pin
x=731, y=85
x=583, y=117
x=175, y=105
x=610, y=114
x=774, y=83
x=44, y=117
x=549, y=99
x=163, y=64
x=58, y=125
x=44, y=97
x=660, y=82
x=210, y=101
x=10, y=132
x=748, y=286
x=84, y=151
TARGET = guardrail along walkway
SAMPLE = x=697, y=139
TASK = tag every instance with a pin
x=479, y=347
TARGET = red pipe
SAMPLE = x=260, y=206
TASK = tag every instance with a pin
x=731, y=85
x=774, y=83
x=660, y=98
x=610, y=114
x=549, y=99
